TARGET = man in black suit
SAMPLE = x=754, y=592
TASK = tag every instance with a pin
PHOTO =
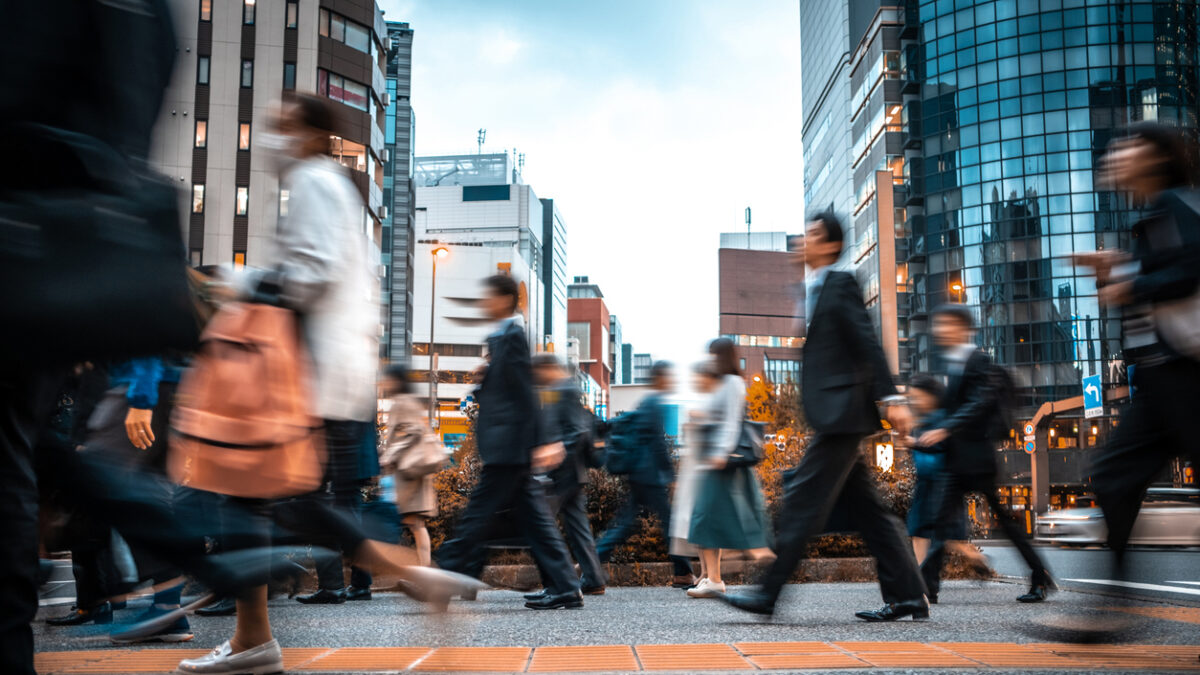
x=845, y=376
x=508, y=436
x=972, y=404
x=651, y=476
x=565, y=421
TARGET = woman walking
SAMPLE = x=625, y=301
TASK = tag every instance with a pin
x=729, y=512
x=416, y=498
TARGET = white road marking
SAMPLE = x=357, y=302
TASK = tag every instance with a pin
x=1138, y=585
x=1189, y=583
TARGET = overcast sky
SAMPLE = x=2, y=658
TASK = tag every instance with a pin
x=652, y=124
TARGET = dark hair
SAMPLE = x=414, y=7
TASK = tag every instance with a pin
x=314, y=111
x=960, y=313
x=725, y=356
x=660, y=368
x=502, y=284
x=398, y=372
x=793, y=240
x=832, y=226
x=546, y=359
x=928, y=384
x=1174, y=146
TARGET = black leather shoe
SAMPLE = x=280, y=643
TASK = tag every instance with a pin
x=752, y=601
x=932, y=597
x=1037, y=593
x=593, y=590
x=323, y=597
x=356, y=593
x=572, y=600
x=537, y=596
x=917, y=609
x=100, y=614
x=223, y=607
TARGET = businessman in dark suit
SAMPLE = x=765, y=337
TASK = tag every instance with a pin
x=845, y=377
x=508, y=435
x=972, y=404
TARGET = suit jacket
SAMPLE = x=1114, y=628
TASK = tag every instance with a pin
x=845, y=371
x=565, y=419
x=654, y=466
x=507, y=428
x=971, y=403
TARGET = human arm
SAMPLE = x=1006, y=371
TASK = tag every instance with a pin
x=142, y=395
x=1169, y=272
x=859, y=334
x=731, y=407
x=980, y=406
x=307, y=247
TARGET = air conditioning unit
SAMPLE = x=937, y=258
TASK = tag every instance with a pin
x=387, y=43
x=387, y=155
x=387, y=100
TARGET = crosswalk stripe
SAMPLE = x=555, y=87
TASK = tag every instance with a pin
x=1138, y=585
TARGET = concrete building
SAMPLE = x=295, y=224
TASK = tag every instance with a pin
x=616, y=356
x=642, y=364
x=758, y=306
x=237, y=58
x=554, y=277
x=588, y=325
x=399, y=214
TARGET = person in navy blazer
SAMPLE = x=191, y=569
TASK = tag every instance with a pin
x=508, y=435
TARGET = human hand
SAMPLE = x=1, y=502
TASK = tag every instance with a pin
x=548, y=456
x=933, y=437
x=718, y=463
x=900, y=418
x=137, y=427
x=1100, y=260
x=1118, y=294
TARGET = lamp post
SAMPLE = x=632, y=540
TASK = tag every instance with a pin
x=438, y=252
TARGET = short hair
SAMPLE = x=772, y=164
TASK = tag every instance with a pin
x=1176, y=148
x=546, y=360
x=502, y=284
x=793, y=240
x=832, y=226
x=661, y=368
x=400, y=374
x=725, y=355
x=960, y=313
x=314, y=111
x=928, y=384
x=707, y=368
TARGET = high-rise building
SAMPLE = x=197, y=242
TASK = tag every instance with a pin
x=615, y=355
x=399, y=213
x=588, y=326
x=626, y=363
x=554, y=275
x=825, y=104
x=642, y=365
x=237, y=59
x=758, y=305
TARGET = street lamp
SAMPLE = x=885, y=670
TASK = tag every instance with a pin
x=437, y=252
x=957, y=287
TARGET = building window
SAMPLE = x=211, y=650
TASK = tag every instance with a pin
x=206, y=10
x=323, y=23
x=243, y=200
x=239, y=258
x=289, y=76
x=201, y=133
x=196, y=257
x=247, y=73
x=244, y=136
x=202, y=70
x=248, y=12
x=198, y=198
x=293, y=14
x=343, y=90
x=337, y=27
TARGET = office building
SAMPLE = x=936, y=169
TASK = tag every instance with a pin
x=588, y=326
x=615, y=355
x=626, y=363
x=554, y=274
x=236, y=60
x=399, y=214
x=825, y=104
x=759, y=302
x=642, y=364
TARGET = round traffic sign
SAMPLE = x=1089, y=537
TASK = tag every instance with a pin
x=1028, y=428
x=1030, y=446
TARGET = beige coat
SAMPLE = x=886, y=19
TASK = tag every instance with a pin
x=415, y=496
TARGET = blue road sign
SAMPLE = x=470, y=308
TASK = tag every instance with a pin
x=1093, y=397
x=1030, y=446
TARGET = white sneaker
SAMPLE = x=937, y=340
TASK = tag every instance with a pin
x=707, y=589
x=264, y=659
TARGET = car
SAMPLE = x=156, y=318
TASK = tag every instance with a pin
x=1169, y=517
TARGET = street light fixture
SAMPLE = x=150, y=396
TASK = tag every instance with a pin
x=437, y=252
x=957, y=287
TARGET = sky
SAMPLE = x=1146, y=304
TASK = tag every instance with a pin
x=652, y=124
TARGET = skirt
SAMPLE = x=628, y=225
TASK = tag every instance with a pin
x=416, y=496
x=681, y=505
x=729, y=511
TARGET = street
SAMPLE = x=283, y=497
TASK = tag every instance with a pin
x=1163, y=574
x=815, y=629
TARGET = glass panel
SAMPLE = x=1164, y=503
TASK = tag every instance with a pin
x=244, y=136
x=247, y=73
x=289, y=76
x=355, y=95
x=248, y=12
x=323, y=82
x=358, y=36
x=206, y=10
x=323, y=23
x=243, y=200
x=293, y=11
x=201, y=133
x=197, y=199
x=202, y=70
x=337, y=28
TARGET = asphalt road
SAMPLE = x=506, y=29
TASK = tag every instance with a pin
x=1161, y=574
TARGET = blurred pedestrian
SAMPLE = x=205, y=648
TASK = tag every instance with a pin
x=729, y=512
x=651, y=477
x=508, y=436
x=407, y=428
x=845, y=375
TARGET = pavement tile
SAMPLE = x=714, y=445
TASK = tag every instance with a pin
x=582, y=659
x=1184, y=614
x=365, y=658
x=691, y=657
x=806, y=661
x=766, y=648
x=294, y=657
x=1007, y=655
x=476, y=659
x=1120, y=656
x=885, y=646
x=58, y=662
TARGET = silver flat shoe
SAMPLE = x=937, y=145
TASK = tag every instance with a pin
x=264, y=659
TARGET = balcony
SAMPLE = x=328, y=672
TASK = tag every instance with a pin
x=912, y=20
x=916, y=305
x=910, y=121
x=910, y=69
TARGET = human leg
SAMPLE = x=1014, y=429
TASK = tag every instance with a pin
x=899, y=577
x=420, y=534
x=545, y=541
x=621, y=527
x=495, y=491
x=653, y=498
x=578, y=534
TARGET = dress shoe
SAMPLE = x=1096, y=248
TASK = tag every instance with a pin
x=572, y=600
x=593, y=590
x=751, y=601
x=537, y=596
x=917, y=609
x=1037, y=593
x=356, y=593
x=323, y=597
x=687, y=581
x=99, y=614
x=223, y=607
x=260, y=660
x=932, y=597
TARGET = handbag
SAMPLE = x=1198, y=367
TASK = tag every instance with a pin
x=243, y=424
x=92, y=260
x=749, y=450
x=413, y=450
x=1178, y=321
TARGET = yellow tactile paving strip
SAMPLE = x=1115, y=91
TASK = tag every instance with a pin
x=1184, y=614
x=740, y=656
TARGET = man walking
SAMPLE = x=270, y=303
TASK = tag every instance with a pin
x=507, y=434
x=845, y=374
x=972, y=404
x=652, y=474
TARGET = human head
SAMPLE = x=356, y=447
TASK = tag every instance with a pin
x=662, y=376
x=1150, y=158
x=547, y=369
x=952, y=325
x=724, y=357
x=307, y=121
x=395, y=380
x=923, y=394
x=708, y=378
x=501, y=296
x=823, y=237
